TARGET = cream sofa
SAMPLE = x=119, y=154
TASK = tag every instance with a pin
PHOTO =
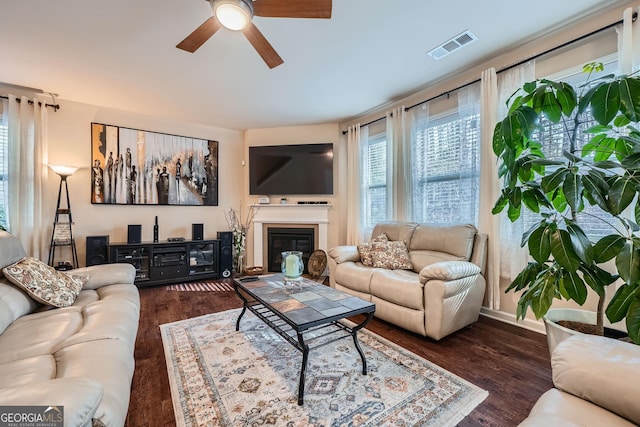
x=81, y=356
x=597, y=383
x=441, y=294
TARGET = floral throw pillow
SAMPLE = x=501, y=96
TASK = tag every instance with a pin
x=392, y=255
x=44, y=283
x=364, y=250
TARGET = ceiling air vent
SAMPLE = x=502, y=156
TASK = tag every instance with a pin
x=452, y=45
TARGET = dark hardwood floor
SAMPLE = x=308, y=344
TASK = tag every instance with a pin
x=512, y=364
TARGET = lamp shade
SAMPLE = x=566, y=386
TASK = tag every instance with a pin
x=233, y=14
x=63, y=171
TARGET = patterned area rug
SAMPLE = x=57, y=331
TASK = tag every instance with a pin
x=202, y=286
x=220, y=377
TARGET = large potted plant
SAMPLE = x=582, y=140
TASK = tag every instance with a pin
x=604, y=173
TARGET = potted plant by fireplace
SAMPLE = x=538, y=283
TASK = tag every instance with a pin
x=603, y=172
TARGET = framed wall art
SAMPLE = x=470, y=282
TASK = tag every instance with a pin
x=138, y=167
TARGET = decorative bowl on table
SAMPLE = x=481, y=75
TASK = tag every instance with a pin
x=254, y=270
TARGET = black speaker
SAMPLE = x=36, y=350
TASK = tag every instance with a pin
x=134, y=233
x=197, y=231
x=97, y=250
x=226, y=255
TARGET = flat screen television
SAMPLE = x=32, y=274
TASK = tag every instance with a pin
x=302, y=169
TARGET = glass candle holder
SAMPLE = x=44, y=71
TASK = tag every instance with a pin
x=292, y=265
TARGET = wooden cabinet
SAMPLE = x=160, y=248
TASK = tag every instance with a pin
x=169, y=262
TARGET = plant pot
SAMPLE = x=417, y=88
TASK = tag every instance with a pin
x=557, y=333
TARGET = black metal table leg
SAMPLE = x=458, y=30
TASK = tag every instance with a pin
x=354, y=334
x=303, y=368
x=244, y=306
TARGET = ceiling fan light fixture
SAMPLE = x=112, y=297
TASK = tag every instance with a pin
x=233, y=14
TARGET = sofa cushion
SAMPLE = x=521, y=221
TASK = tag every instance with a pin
x=13, y=304
x=26, y=371
x=38, y=334
x=396, y=230
x=353, y=275
x=434, y=244
x=556, y=408
x=400, y=287
x=391, y=255
x=12, y=250
x=44, y=283
x=364, y=249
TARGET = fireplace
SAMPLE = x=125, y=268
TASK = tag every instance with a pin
x=311, y=216
x=280, y=239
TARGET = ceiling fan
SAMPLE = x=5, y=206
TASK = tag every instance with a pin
x=237, y=15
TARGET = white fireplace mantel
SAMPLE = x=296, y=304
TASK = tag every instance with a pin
x=316, y=215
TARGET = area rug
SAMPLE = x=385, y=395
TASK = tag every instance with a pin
x=220, y=377
x=201, y=287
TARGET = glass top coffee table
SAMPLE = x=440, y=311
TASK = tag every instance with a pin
x=306, y=308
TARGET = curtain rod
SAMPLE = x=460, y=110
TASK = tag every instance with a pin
x=55, y=107
x=565, y=44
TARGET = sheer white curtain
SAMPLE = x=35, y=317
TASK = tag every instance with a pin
x=399, y=177
x=419, y=124
x=356, y=136
x=489, y=185
x=628, y=43
x=28, y=157
x=513, y=258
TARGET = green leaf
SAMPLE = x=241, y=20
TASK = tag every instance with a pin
x=623, y=149
x=498, y=140
x=573, y=286
x=571, y=157
x=526, y=277
x=619, y=304
x=581, y=243
x=513, y=213
x=562, y=250
x=628, y=263
x=551, y=107
x=597, y=278
x=606, y=165
x=636, y=211
x=633, y=321
x=517, y=126
x=621, y=194
x=541, y=302
x=500, y=204
x=530, y=200
x=540, y=243
x=572, y=189
x=567, y=98
x=608, y=247
x=605, y=102
x=631, y=162
x=604, y=149
x=554, y=180
x=596, y=187
x=629, y=89
x=547, y=162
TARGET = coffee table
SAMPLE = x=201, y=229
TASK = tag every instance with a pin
x=307, y=315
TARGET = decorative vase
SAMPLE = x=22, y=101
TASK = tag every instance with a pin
x=292, y=265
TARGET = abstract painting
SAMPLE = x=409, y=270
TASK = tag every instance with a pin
x=138, y=167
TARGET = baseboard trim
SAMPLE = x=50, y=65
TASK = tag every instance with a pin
x=529, y=324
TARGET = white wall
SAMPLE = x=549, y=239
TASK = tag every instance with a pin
x=70, y=144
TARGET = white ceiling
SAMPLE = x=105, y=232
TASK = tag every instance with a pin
x=121, y=54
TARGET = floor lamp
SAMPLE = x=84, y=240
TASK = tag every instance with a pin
x=62, y=234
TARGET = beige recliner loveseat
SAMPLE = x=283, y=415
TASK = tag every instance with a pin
x=79, y=357
x=441, y=293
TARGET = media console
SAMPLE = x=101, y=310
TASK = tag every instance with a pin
x=169, y=262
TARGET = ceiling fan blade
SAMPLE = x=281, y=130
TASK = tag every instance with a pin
x=262, y=46
x=292, y=8
x=200, y=35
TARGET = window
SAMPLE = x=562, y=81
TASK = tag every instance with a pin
x=446, y=174
x=375, y=181
x=4, y=145
x=554, y=140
